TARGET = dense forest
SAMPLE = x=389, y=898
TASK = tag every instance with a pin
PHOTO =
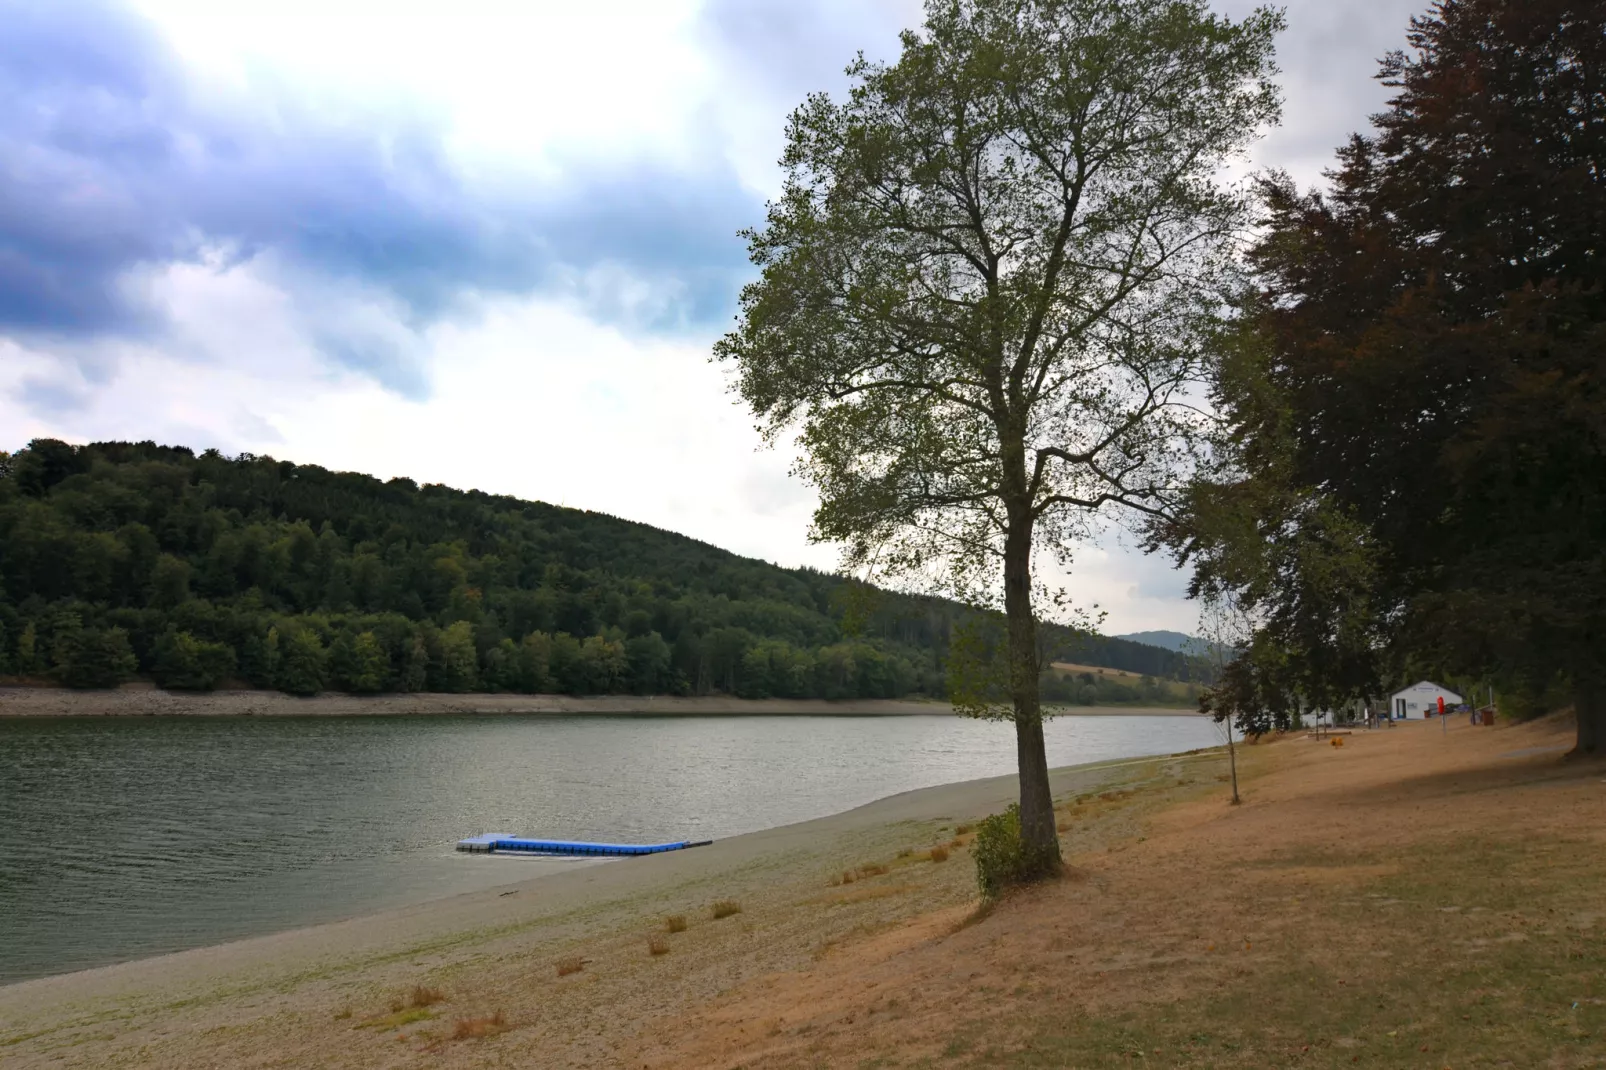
x=125, y=560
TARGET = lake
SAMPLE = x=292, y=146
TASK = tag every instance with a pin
x=127, y=837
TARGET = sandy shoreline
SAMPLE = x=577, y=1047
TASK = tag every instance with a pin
x=146, y=701
x=180, y=998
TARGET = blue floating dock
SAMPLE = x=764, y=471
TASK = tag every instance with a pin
x=499, y=842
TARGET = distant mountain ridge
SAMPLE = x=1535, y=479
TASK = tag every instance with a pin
x=1177, y=641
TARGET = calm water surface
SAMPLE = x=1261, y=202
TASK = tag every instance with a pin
x=125, y=837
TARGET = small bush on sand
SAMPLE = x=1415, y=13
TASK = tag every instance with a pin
x=724, y=908
x=961, y=830
x=675, y=923
x=657, y=945
x=939, y=854
x=570, y=964
x=424, y=996
x=479, y=1028
x=1002, y=859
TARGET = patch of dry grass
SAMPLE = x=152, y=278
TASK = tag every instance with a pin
x=657, y=945
x=865, y=895
x=398, y=1017
x=570, y=964
x=425, y=996
x=859, y=873
x=675, y=923
x=938, y=854
x=479, y=1028
x=724, y=908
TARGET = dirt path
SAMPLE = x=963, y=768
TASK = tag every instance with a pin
x=1395, y=901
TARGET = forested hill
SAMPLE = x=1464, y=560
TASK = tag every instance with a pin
x=122, y=560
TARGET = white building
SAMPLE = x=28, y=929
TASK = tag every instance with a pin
x=1421, y=699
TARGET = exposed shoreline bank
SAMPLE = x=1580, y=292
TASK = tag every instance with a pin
x=147, y=701
x=511, y=934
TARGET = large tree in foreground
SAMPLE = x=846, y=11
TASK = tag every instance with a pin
x=1432, y=368
x=985, y=289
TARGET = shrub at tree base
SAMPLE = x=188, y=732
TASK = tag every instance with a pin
x=1002, y=858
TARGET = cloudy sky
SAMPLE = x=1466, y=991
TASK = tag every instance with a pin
x=480, y=244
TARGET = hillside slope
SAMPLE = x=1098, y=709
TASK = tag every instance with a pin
x=128, y=559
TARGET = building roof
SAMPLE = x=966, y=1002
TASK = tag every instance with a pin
x=1424, y=688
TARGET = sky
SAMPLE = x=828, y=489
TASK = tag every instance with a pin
x=481, y=244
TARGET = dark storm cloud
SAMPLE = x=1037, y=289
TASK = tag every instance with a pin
x=113, y=160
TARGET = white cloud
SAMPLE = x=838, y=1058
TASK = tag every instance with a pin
x=528, y=396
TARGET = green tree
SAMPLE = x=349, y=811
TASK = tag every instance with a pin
x=984, y=289
x=647, y=663
x=170, y=582
x=259, y=658
x=603, y=664
x=302, y=660
x=27, y=651
x=533, y=661
x=93, y=657
x=459, y=661
x=185, y=663
x=415, y=670
x=358, y=663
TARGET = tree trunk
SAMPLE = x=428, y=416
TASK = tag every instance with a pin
x=1232, y=758
x=1038, y=836
x=1590, y=713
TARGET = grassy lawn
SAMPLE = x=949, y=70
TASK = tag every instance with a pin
x=1474, y=953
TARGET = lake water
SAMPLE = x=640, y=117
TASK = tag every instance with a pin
x=127, y=837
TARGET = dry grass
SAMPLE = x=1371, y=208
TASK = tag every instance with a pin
x=905, y=852
x=1451, y=939
x=570, y=964
x=865, y=895
x=398, y=1017
x=657, y=945
x=859, y=873
x=938, y=854
x=425, y=996
x=724, y=908
x=961, y=830
x=479, y=1028
x=675, y=923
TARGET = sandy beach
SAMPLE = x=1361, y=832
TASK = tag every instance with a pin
x=144, y=700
